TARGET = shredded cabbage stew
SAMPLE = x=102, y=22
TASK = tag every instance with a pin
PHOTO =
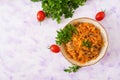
x=86, y=44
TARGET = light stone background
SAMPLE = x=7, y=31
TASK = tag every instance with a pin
x=24, y=53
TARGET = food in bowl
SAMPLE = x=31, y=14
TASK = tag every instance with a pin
x=87, y=45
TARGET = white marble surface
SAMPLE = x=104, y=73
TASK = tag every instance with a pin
x=24, y=53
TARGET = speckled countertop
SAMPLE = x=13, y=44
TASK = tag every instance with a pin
x=24, y=53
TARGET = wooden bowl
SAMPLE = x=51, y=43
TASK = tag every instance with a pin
x=103, y=50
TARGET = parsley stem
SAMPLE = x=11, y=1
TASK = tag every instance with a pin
x=73, y=68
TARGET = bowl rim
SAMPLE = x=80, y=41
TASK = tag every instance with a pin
x=106, y=41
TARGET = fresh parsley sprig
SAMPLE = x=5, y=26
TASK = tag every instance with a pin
x=64, y=35
x=36, y=0
x=73, y=68
x=58, y=8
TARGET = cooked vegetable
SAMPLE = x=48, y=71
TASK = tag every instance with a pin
x=58, y=8
x=73, y=68
x=86, y=45
x=65, y=35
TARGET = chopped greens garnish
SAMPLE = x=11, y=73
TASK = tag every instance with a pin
x=64, y=35
x=86, y=43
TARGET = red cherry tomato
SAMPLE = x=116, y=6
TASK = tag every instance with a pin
x=40, y=16
x=54, y=48
x=100, y=16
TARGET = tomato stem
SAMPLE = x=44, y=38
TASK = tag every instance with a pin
x=40, y=23
x=103, y=10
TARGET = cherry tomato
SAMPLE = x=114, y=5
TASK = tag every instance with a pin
x=100, y=16
x=40, y=16
x=54, y=48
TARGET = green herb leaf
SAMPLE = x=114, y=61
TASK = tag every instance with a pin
x=73, y=68
x=58, y=8
x=87, y=43
x=65, y=35
x=35, y=0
